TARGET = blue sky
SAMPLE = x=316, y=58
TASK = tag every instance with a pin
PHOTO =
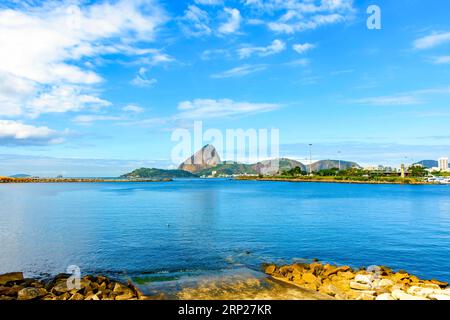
x=97, y=87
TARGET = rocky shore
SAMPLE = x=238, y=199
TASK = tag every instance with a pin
x=407, y=181
x=13, y=286
x=300, y=281
x=345, y=283
x=77, y=180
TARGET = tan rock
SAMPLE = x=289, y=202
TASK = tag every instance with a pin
x=31, y=293
x=270, y=269
x=439, y=283
x=397, y=277
x=285, y=270
x=421, y=291
x=61, y=287
x=126, y=296
x=316, y=268
x=310, y=278
x=437, y=296
x=12, y=276
x=64, y=296
x=366, y=296
x=92, y=297
x=385, y=296
x=359, y=286
x=348, y=275
x=329, y=289
x=383, y=283
x=402, y=295
x=364, y=278
x=77, y=296
x=333, y=270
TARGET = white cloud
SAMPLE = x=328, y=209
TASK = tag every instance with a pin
x=133, y=108
x=432, y=40
x=45, y=50
x=141, y=79
x=210, y=108
x=208, y=54
x=209, y=2
x=298, y=15
x=275, y=47
x=233, y=23
x=240, y=71
x=441, y=60
x=60, y=99
x=396, y=100
x=299, y=62
x=302, y=48
x=195, y=22
x=404, y=98
x=18, y=133
x=89, y=119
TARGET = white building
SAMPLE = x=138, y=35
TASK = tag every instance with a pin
x=443, y=164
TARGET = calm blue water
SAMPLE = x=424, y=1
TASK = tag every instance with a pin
x=184, y=227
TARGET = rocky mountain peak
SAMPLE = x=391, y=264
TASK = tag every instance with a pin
x=206, y=157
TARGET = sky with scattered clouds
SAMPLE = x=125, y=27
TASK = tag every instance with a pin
x=108, y=81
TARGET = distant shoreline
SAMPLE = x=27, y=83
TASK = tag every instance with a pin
x=318, y=180
x=76, y=180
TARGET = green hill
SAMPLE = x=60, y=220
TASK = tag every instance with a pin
x=150, y=173
x=228, y=169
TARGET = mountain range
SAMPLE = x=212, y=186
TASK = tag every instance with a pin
x=206, y=161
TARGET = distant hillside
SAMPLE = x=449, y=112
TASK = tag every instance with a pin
x=332, y=164
x=428, y=163
x=266, y=167
x=20, y=175
x=146, y=173
x=228, y=169
x=205, y=158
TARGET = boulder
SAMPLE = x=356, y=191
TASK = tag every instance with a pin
x=77, y=296
x=12, y=276
x=439, y=283
x=333, y=270
x=402, y=295
x=310, y=278
x=437, y=296
x=370, y=295
x=359, y=286
x=315, y=268
x=92, y=297
x=9, y=291
x=31, y=293
x=120, y=288
x=383, y=283
x=348, y=275
x=397, y=277
x=64, y=296
x=385, y=296
x=125, y=296
x=270, y=269
x=364, y=278
x=61, y=287
x=420, y=291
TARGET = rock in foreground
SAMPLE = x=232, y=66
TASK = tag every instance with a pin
x=13, y=286
x=345, y=283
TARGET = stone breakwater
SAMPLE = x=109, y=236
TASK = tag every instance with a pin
x=13, y=286
x=345, y=283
